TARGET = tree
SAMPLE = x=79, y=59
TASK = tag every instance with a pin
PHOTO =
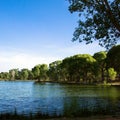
x=12, y=74
x=30, y=75
x=113, y=59
x=36, y=72
x=79, y=67
x=24, y=74
x=4, y=75
x=86, y=66
x=98, y=20
x=101, y=60
x=64, y=69
x=54, y=70
x=43, y=72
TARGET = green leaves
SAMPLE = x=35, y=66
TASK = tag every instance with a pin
x=24, y=74
x=82, y=68
x=113, y=58
x=112, y=73
x=40, y=72
x=98, y=20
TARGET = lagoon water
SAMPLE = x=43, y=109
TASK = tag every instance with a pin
x=53, y=98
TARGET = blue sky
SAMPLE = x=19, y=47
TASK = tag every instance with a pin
x=37, y=31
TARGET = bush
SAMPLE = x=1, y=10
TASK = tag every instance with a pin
x=112, y=73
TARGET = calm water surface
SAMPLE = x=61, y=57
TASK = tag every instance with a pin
x=53, y=98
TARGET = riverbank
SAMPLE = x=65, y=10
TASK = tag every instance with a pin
x=80, y=116
x=112, y=83
x=20, y=117
x=90, y=118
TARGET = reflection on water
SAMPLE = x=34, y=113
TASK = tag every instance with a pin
x=54, y=98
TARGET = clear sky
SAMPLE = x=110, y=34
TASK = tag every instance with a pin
x=37, y=31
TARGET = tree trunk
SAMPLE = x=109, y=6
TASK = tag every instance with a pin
x=102, y=74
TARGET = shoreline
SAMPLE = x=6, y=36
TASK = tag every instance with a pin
x=79, y=83
x=40, y=117
x=112, y=83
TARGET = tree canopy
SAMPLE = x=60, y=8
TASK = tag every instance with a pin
x=99, y=20
x=81, y=68
x=101, y=63
x=113, y=58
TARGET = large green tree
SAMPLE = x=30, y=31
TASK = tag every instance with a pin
x=101, y=63
x=98, y=20
x=40, y=72
x=79, y=67
x=113, y=59
x=54, y=70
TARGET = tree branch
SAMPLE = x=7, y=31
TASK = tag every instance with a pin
x=111, y=16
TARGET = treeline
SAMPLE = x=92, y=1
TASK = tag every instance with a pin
x=83, y=68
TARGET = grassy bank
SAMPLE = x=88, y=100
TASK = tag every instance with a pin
x=45, y=117
x=82, y=114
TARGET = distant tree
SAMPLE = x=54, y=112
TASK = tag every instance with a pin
x=101, y=60
x=30, y=75
x=79, y=67
x=12, y=74
x=4, y=75
x=24, y=74
x=64, y=69
x=43, y=72
x=36, y=72
x=98, y=20
x=112, y=73
x=54, y=70
x=87, y=66
x=1, y=75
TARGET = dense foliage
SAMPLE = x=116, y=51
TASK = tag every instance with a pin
x=98, y=20
x=82, y=68
x=113, y=59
